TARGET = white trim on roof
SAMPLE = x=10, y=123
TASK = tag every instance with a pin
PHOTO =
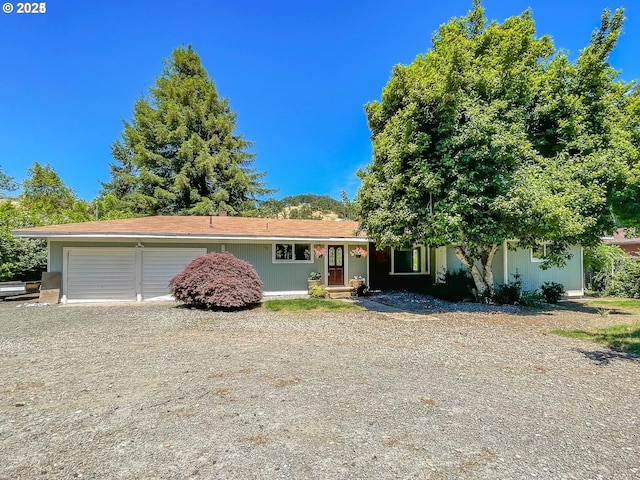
x=135, y=236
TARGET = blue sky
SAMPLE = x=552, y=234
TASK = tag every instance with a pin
x=298, y=74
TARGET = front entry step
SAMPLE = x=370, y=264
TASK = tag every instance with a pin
x=339, y=292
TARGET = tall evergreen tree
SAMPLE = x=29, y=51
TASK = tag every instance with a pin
x=180, y=155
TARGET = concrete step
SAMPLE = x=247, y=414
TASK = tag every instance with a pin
x=339, y=292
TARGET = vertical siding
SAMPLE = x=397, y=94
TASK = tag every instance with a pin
x=56, y=247
x=276, y=277
x=453, y=262
x=533, y=276
x=356, y=266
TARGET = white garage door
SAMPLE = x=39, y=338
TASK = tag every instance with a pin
x=160, y=265
x=100, y=274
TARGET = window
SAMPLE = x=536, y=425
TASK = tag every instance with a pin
x=539, y=252
x=410, y=261
x=292, y=252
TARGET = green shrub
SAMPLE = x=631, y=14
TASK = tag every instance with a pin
x=508, y=293
x=601, y=262
x=626, y=282
x=317, y=291
x=529, y=298
x=454, y=286
x=511, y=293
x=552, y=291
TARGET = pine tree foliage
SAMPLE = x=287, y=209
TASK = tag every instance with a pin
x=179, y=154
x=494, y=135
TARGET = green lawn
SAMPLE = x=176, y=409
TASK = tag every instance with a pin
x=618, y=337
x=298, y=304
x=630, y=305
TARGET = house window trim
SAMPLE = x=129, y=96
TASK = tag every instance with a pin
x=425, y=262
x=544, y=253
x=293, y=260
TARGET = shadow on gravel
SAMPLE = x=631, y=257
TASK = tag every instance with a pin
x=601, y=357
x=580, y=307
x=426, y=305
x=420, y=304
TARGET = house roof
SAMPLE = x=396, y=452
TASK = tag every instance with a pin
x=206, y=227
x=620, y=238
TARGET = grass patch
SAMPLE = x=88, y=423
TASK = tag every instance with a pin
x=298, y=304
x=618, y=337
x=629, y=304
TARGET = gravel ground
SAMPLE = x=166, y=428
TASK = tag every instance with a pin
x=157, y=391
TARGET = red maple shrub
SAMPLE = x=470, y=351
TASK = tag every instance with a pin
x=217, y=280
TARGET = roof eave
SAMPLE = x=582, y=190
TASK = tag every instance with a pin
x=179, y=236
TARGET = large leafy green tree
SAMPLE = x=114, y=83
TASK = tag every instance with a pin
x=493, y=135
x=179, y=154
x=47, y=200
x=20, y=258
x=44, y=200
x=626, y=199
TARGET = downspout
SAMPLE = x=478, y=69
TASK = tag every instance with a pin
x=345, y=265
x=368, y=262
x=582, y=269
x=505, y=266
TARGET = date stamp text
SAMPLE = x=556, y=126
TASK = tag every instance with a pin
x=31, y=7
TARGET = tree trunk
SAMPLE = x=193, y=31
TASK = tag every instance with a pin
x=487, y=266
x=483, y=280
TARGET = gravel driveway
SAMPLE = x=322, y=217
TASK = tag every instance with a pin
x=156, y=391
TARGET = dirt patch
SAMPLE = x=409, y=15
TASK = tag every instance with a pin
x=153, y=391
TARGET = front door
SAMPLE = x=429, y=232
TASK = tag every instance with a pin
x=336, y=265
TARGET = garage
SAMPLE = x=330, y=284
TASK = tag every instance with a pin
x=122, y=274
x=160, y=265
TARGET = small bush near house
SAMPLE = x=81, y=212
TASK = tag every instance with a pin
x=217, y=280
x=511, y=293
x=508, y=293
x=552, y=291
x=317, y=291
x=454, y=286
x=529, y=298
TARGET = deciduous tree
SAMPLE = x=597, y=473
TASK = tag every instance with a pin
x=47, y=200
x=20, y=258
x=494, y=135
x=6, y=182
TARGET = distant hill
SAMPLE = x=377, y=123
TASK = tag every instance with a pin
x=305, y=206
